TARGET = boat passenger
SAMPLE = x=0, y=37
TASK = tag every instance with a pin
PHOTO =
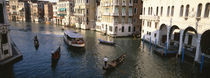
x=105, y=61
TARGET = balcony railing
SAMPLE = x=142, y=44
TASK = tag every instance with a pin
x=130, y=4
x=150, y=17
x=123, y=4
x=79, y=14
x=115, y=3
x=116, y=22
x=115, y=14
x=123, y=14
x=106, y=13
x=106, y=4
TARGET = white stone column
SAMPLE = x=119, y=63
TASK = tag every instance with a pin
x=168, y=41
x=181, y=41
x=198, y=50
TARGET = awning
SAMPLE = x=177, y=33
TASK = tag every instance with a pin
x=62, y=9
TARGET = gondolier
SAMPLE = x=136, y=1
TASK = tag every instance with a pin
x=105, y=61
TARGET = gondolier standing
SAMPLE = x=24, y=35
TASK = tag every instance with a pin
x=105, y=61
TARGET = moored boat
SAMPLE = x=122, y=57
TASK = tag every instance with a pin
x=115, y=63
x=106, y=42
x=74, y=39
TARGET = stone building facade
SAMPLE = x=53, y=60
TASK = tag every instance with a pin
x=182, y=24
x=85, y=14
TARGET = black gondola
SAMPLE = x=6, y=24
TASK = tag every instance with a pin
x=115, y=63
x=56, y=54
x=106, y=42
x=36, y=42
x=55, y=57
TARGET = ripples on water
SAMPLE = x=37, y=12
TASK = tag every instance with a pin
x=88, y=62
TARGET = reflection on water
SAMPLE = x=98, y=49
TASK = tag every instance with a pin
x=88, y=62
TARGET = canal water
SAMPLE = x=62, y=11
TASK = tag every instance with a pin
x=88, y=62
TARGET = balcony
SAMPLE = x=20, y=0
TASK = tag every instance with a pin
x=106, y=4
x=130, y=4
x=79, y=14
x=106, y=13
x=115, y=3
x=116, y=22
x=115, y=14
x=150, y=17
x=123, y=4
x=123, y=14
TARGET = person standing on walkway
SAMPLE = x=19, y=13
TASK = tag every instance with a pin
x=105, y=61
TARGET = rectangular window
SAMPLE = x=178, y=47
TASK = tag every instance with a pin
x=134, y=29
x=123, y=10
x=156, y=25
x=110, y=28
x=123, y=20
x=87, y=11
x=122, y=28
x=135, y=10
x=129, y=20
x=129, y=29
x=116, y=10
x=130, y=11
x=1, y=14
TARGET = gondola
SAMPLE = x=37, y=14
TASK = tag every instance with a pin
x=106, y=42
x=115, y=63
x=36, y=42
x=56, y=54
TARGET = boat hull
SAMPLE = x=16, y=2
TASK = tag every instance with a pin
x=68, y=42
x=106, y=42
x=113, y=64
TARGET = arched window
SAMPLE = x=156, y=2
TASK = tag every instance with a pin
x=199, y=10
x=122, y=28
x=207, y=9
x=148, y=10
x=168, y=11
x=157, y=11
x=116, y=29
x=172, y=11
x=129, y=29
x=187, y=10
x=151, y=10
x=144, y=10
x=181, y=11
x=161, y=12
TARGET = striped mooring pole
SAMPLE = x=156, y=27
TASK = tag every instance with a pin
x=166, y=49
x=182, y=54
x=202, y=59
